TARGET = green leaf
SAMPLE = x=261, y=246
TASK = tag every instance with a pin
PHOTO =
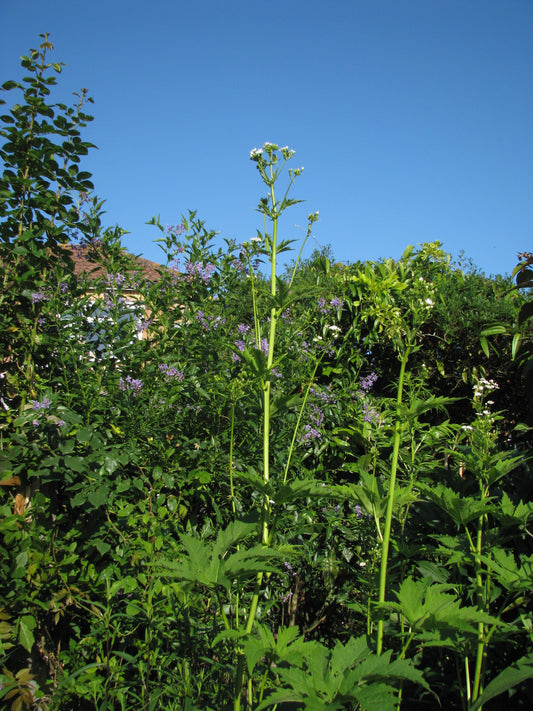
x=84, y=435
x=510, y=677
x=77, y=464
x=524, y=278
x=517, y=338
x=8, y=85
x=429, y=606
x=460, y=509
x=101, y=546
x=99, y=497
x=495, y=330
x=26, y=626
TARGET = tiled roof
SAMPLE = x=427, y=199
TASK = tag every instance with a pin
x=83, y=264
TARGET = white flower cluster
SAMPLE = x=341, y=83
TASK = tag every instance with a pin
x=287, y=152
x=336, y=331
x=427, y=293
x=484, y=386
x=270, y=148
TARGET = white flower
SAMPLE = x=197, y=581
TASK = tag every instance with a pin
x=484, y=386
x=429, y=302
x=256, y=239
x=256, y=153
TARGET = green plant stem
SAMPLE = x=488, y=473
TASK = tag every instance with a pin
x=265, y=509
x=300, y=414
x=390, y=499
x=481, y=643
x=231, y=437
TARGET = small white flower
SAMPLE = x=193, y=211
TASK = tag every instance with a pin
x=256, y=153
x=256, y=239
x=429, y=302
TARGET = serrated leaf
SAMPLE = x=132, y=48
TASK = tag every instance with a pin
x=462, y=510
x=510, y=677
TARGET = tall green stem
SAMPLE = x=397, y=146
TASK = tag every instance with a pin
x=481, y=644
x=390, y=500
x=265, y=509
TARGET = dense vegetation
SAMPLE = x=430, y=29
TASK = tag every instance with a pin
x=303, y=491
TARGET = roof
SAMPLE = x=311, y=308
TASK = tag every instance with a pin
x=84, y=265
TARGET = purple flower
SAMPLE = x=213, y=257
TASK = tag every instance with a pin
x=207, y=272
x=264, y=346
x=238, y=265
x=243, y=328
x=358, y=511
x=316, y=416
x=241, y=345
x=196, y=269
x=286, y=316
x=144, y=325
x=115, y=281
x=365, y=384
x=369, y=414
x=171, y=372
x=44, y=405
x=310, y=434
x=176, y=230
x=129, y=384
x=325, y=395
x=336, y=303
x=38, y=296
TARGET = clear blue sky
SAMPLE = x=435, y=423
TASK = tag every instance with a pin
x=413, y=118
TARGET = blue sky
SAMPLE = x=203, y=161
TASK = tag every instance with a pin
x=413, y=118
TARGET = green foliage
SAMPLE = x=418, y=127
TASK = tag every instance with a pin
x=222, y=489
x=339, y=678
